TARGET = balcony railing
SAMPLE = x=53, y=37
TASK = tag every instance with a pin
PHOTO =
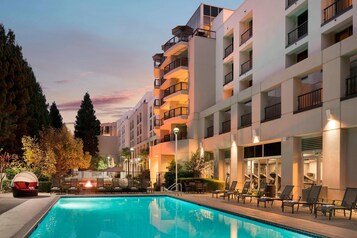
x=246, y=120
x=209, y=132
x=173, y=41
x=336, y=9
x=175, y=88
x=246, y=66
x=228, y=78
x=246, y=35
x=351, y=86
x=298, y=33
x=175, y=64
x=171, y=137
x=159, y=82
x=226, y=126
x=289, y=3
x=179, y=111
x=204, y=33
x=228, y=50
x=272, y=112
x=310, y=100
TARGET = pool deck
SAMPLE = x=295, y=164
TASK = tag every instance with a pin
x=19, y=215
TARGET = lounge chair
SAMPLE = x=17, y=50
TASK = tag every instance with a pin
x=285, y=195
x=219, y=191
x=73, y=186
x=348, y=203
x=230, y=192
x=100, y=185
x=261, y=192
x=116, y=185
x=311, y=200
x=245, y=190
x=56, y=185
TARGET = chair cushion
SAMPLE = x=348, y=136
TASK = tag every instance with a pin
x=20, y=185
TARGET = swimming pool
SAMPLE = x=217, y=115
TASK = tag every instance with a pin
x=156, y=216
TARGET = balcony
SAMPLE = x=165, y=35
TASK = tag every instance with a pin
x=157, y=102
x=173, y=41
x=175, y=88
x=204, y=33
x=272, y=112
x=226, y=127
x=289, y=3
x=179, y=111
x=171, y=137
x=246, y=66
x=335, y=9
x=351, y=87
x=246, y=120
x=228, y=50
x=310, y=100
x=175, y=64
x=246, y=36
x=209, y=132
x=298, y=33
x=159, y=82
x=228, y=78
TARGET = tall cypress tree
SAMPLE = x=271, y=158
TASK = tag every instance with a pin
x=55, y=116
x=23, y=108
x=87, y=126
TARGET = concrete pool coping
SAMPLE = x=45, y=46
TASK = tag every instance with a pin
x=17, y=222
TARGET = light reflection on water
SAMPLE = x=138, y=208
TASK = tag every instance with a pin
x=157, y=217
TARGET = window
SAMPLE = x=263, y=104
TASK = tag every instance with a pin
x=301, y=56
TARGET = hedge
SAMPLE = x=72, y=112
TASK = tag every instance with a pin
x=212, y=184
x=171, y=176
x=44, y=186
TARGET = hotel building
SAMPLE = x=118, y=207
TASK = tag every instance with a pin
x=269, y=91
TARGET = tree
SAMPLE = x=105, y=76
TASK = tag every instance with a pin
x=42, y=161
x=144, y=154
x=87, y=126
x=98, y=163
x=5, y=162
x=67, y=150
x=197, y=163
x=56, y=120
x=23, y=108
x=126, y=155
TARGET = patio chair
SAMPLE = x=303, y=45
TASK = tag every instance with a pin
x=73, y=186
x=56, y=185
x=132, y=186
x=230, y=192
x=244, y=190
x=100, y=185
x=311, y=200
x=218, y=191
x=260, y=193
x=348, y=203
x=285, y=195
x=116, y=185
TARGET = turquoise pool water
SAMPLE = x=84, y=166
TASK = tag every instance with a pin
x=147, y=217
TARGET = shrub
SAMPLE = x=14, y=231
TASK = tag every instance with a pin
x=44, y=186
x=6, y=185
x=212, y=184
x=170, y=177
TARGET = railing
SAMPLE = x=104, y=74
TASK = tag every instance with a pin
x=228, y=50
x=171, y=137
x=159, y=82
x=246, y=120
x=310, y=100
x=351, y=86
x=272, y=112
x=175, y=64
x=204, y=33
x=179, y=111
x=173, y=41
x=228, y=78
x=246, y=35
x=289, y=3
x=175, y=88
x=158, y=62
x=226, y=126
x=298, y=33
x=246, y=66
x=209, y=132
x=335, y=9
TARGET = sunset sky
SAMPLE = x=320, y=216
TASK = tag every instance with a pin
x=101, y=47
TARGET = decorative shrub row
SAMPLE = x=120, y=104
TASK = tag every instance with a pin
x=212, y=184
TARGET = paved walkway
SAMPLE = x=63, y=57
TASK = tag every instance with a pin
x=20, y=215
